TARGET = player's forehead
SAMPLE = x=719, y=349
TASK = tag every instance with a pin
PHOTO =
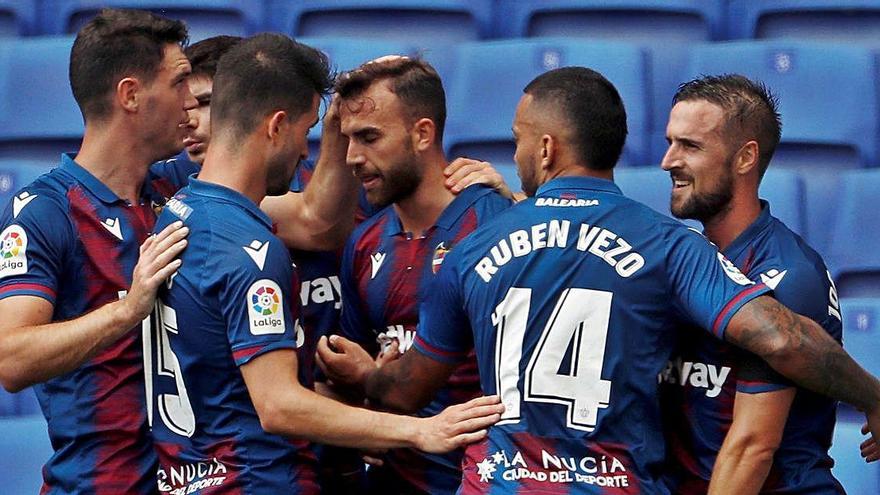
x=200, y=85
x=377, y=106
x=696, y=117
x=174, y=61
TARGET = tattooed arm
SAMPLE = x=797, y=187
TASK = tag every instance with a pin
x=801, y=350
x=404, y=385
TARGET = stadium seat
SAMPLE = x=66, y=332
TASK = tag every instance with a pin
x=346, y=54
x=828, y=20
x=15, y=174
x=644, y=21
x=822, y=125
x=856, y=476
x=854, y=253
x=441, y=21
x=24, y=448
x=17, y=17
x=490, y=78
x=38, y=116
x=861, y=330
x=784, y=190
x=205, y=18
x=22, y=403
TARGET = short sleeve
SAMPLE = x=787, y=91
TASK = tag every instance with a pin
x=444, y=328
x=258, y=302
x=352, y=321
x=755, y=376
x=35, y=240
x=708, y=288
x=801, y=288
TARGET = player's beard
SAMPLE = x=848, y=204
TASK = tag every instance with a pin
x=399, y=181
x=279, y=173
x=528, y=177
x=703, y=206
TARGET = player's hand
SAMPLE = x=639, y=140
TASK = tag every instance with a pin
x=871, y=447
x=463, y=172
x=158, y=261
x=389, y=353
x=459, y=425
x=345, y=363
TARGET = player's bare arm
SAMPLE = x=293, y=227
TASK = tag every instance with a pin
x=287, y=408
x=801, y=350
x=33, y=350
x=463, y=172
x=746, y=455
x=404, y=385
x=322, y=216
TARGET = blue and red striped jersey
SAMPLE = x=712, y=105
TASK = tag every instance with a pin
x=385, y=274
x=230, y=302
x=69, y=239
x=573, y=300
x=701, y=381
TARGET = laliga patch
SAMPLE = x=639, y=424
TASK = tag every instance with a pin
x=439, y=254
x=264, y=302
x=13, y=251
x=733, y=272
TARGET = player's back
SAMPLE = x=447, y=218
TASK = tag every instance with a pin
x=224, y=307
x=573, y=298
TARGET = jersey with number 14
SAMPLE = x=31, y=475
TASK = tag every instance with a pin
x=229, y=303
x=572, y=302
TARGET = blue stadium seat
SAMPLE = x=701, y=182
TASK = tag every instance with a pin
x=205, y=18
x=38, y=116
x=415, y=21
x=784, y=190
x=857, y=477
x=346, y=54
x=855, y=247
x=22, y=403
x=861, y=331
x=15, y=174
x=24, y=448
x=822, y=125
x=17, y=17
x=490, y=78
x=829, y=20
x=644, y=21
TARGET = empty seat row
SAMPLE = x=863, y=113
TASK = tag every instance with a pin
x=458, y=20
x=821, y=124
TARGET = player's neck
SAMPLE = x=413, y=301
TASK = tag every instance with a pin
x=723, y=228
x=420, y=210
x=116, y=160
x=238, y=170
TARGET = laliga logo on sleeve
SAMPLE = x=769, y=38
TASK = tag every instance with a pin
x=264, y=300
x=13, y=251
x=733, y=272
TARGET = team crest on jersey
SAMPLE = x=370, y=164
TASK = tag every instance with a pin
x=264, y=301
x=13, y=251
x=439, y=254
x=733, y=272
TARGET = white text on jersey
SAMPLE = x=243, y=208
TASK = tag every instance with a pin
x=321, y=290
x=697, y=375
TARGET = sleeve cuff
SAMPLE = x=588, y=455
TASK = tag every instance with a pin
x=755, y=387
x=733, y=306
x=246, y=354
x=21, y=289
x=437, y=354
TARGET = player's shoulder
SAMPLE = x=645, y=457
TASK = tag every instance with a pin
x=44, y=201
x=372, y=226
x=782, y=250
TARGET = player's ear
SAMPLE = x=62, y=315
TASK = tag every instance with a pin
x=275, y=125
x=548, y=150
x=423, y=134
x=746, y=158
x=127, y=93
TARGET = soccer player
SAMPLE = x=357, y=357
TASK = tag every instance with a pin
x=722, y=133
x=393, y=111
x=78, y=271
x=573, y=299
x=227, y=385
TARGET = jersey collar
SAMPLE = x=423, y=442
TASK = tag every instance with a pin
x=89, y=181
x=228, y=195
x=747, y=237
x=588, y=183
x=453, y=211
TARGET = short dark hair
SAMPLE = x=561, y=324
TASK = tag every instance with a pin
x=266, y=73
x=751, y=109
x=116, y=44
x=593, y=110
x=204, y=55
x=413, y=80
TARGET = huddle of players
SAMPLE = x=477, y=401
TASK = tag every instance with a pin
x=228, y=355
